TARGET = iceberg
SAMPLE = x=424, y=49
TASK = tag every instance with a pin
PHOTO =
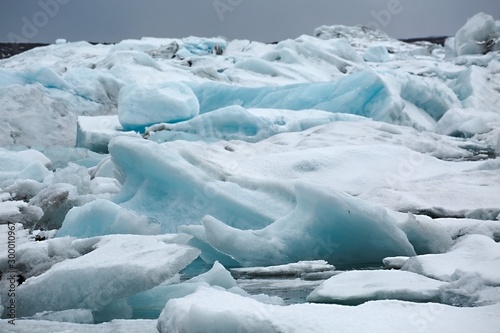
x=110, y=268
x=326, y=224
x=478, y=36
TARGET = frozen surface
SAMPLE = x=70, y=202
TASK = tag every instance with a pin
x=301, y=268
x=95, y=133
x=325, y=224
x=472, y=254
x=102, y=217
x=356, y=287
x=478, y=36
x=107, y=268
x=141, y=106
x=211, y=310
x=347, y=147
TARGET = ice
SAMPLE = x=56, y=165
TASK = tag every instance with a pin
x=212, y=310
x=250, y=125
x=46, y=77
x=25, y=164
x=461, y=227
x=301, y=268
x=466, y=122
x=471, y=254
x=153, y=301
x=78, y=316
x=347, y=147
x=95, y=133
x=41, y=326
x=395, y=262
x=141, y=106
x=477, y=36
x=426, y=235
x=102, y=217
x=356, y=287
x=175, y=188
x=325, y=224
x=376, y=54
x=97, y=86
x=112, y=268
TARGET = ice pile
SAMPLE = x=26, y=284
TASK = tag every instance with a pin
x=225, y=186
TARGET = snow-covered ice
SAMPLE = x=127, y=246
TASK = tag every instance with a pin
x=356, y=287
x=208, y=185
x=211, y=310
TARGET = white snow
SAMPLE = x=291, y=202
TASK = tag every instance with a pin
x=356, y=287
x=211, y=310
x=268, y=164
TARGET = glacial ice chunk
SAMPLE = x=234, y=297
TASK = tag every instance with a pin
x=250, y=125
x=140, y=106
x=211, y=310
x=356, y=287
x=471, y=254
x=114, y=267
x=376, y=54
x=95, y=133
x=103, y=217
x=26, y=164
x=326, y=224
x=477, y=36
x=426, y=235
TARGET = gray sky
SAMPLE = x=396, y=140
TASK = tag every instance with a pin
x=262, y=20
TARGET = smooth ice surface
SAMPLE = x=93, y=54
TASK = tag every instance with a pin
x=356, y=287
x=111, y=267
x=140, y=106
x=211, y=310
x=325, y=224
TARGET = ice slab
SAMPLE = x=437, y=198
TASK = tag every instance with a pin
x=140, y=106
x=211, y=310
x=25, y=164
x=94, y=133
x=298, y=269
x=103, y=217
x=112, y=268
x=394, y=262
x=471, y=254
x=356, y=287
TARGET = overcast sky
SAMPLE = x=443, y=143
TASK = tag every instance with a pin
x=262, y=20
